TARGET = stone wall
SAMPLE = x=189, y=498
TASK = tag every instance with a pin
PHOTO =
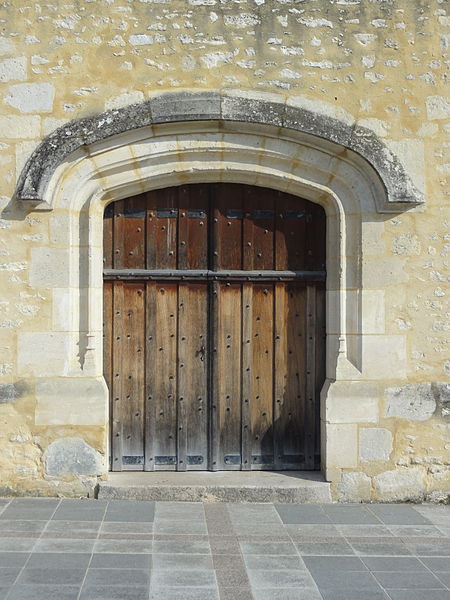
x=381, y=65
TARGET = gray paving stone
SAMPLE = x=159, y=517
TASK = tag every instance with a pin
x=419, y=595
x=324, y=549
x=256, y=561
x=129, y=546
x=333, y=594
x=374, y=547
x=30, y=508
x=434, y=548
x=183, y=561
x=111, y=592
x=57, y=576
x=126, y=527
x=8, y=575
x=393, y=563
x=192, y=593
x=398, y=514
x=437, y=564
x=346, y=580
x=18, y=525
x=260, y=528
x=180, y=527
x=181, y=547
x=350, y=515
x=407, y=580
x=124, y=510
x=183, y=578
x=13, y=559
x=303, y=530
x=280, y=578
x=364, y=531
x=444, y=577
x=275, y=548
x=11, y=544
x=121, y=561
x=63, y=560
x=44, y=592
x=80, y=510
x=311, y=593
x=64, y=545
x=294, y=513
x=117, y=577
x=416, y=531
x=317, y=564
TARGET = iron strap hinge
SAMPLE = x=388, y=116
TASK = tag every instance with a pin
x=207, y=275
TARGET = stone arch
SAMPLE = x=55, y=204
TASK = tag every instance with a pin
x=206, y=137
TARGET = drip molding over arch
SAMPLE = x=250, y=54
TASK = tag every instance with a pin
x=339, y=138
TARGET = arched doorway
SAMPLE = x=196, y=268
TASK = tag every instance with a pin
x=214, y=325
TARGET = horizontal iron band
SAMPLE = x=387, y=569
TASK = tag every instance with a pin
x=206, y=275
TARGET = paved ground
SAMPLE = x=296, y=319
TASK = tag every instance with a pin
x=118, y=550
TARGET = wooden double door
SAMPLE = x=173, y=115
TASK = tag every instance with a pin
x=214, y=329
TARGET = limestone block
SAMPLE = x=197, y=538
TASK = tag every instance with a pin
x=414, y=402
x=442, y=394
x=438, y=107
x=375, y=443
x=71, y=401
x=72, y=456
x=400, y=485
x=352, y=402
x=384, y=356
x=49, y=267
x=15, y=127
x=124, y=99
x=8, y=393
x=354, y=487
x=31, y=97
x=341, y=446
x=370, y=318
x=43, y=353
x=13, y=69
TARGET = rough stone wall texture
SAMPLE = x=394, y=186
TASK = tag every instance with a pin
x=385, y=62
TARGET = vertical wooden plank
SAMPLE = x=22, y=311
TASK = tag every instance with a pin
x=214, y=389
x=118, y=257
x=279, y=371
x=229, y=361
x=108, y=345
x=310, y=409
x=260, y=204
x=292, y=422
x=167, y=229
x=165, y=375
x=117, y=399
x=133, y=226
x=228, y=221
x=262, y=399
x=108, y=240
x=192, y=378
x=151, y=230
x=183, y=383
x=315, y=238
x=193, y=227
x=150, y=376
x=248, y=254
x=133, y=371
x=246, y=375
x=291, y=222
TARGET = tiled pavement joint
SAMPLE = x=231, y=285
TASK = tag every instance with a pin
x=128, y=550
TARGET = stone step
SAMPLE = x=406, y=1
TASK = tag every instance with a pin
x=304, y=487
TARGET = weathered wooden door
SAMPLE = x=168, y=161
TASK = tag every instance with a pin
x=214, y=335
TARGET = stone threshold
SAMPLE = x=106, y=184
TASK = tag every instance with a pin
x=303, y=487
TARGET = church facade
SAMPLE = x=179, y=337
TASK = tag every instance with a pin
x=224, y=243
